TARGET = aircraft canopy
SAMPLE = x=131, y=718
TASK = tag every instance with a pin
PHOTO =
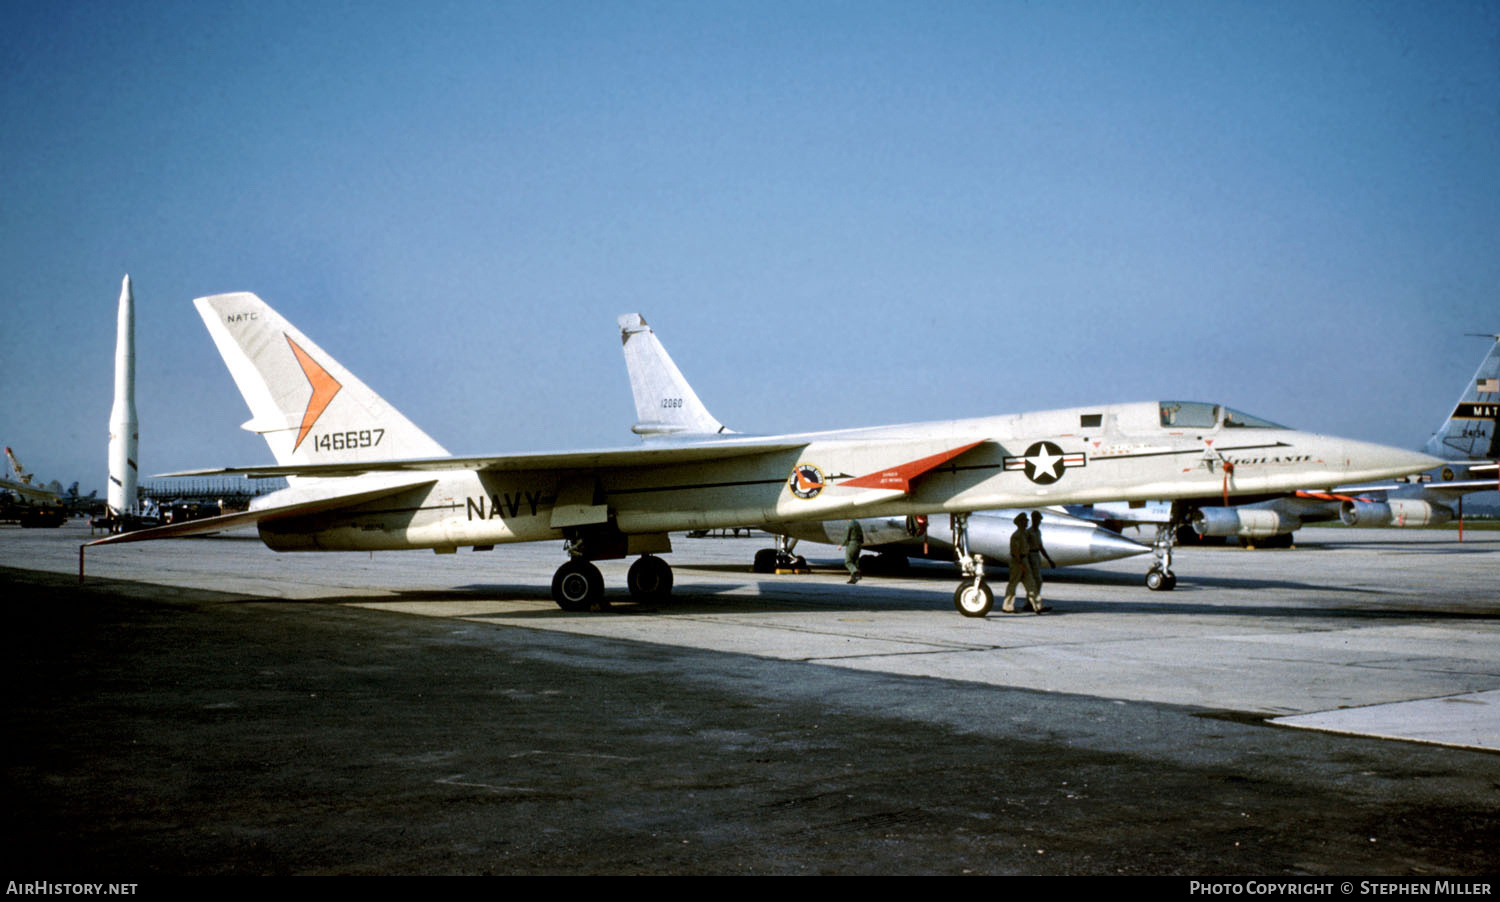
x=1202, y=415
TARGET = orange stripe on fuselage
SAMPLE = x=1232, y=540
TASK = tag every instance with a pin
x=323, y=385
x=900, y=477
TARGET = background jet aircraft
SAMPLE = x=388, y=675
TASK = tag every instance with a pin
x=363, y=477
x=1466, y=438
x=25, y=501
x=667, y=405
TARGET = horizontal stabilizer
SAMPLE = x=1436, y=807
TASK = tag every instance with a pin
x=246, y=518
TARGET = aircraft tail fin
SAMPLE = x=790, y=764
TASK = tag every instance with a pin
x=665, y=404
x=1470, y=431
x=307, y=407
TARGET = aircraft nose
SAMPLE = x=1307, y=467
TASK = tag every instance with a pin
x=1366, y=460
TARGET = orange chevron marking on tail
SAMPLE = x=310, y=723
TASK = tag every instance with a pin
x=323, y=385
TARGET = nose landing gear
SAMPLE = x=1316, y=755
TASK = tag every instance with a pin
x=973, y=597
x=1160, y=577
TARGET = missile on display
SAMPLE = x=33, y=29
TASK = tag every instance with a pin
x=124, y=434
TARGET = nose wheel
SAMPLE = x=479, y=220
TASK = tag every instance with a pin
x=1160, y=577
x=973, y=597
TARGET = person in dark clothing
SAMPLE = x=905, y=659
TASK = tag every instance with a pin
x=854, y=542
x=1019, y=545
x=1034, y=554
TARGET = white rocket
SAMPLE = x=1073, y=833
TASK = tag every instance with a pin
x=123, y=431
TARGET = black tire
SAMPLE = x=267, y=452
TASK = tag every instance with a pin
x=649, y=579
x=765, y=561
x=1159, y=580
x=1171, y=582
x=973, y=601
x=578, y=586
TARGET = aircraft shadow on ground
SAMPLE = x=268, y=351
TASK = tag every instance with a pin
x=871, y=598
x=823, y=591
x=1063, y=604
x=1425, y=549
x=927, y=572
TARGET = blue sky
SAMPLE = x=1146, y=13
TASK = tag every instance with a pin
x=834, y=214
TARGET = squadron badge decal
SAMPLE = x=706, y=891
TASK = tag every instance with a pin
x=1045, y=462
x=806, y=481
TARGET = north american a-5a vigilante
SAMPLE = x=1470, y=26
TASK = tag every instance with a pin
x=362, y=477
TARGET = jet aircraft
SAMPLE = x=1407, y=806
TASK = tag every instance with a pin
x=1467, y=441
x=667, y=406
x=25, y=501
x=25, y=485
x=361, y=476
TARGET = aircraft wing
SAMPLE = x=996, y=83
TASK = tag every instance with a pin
x=245, y=518
x=548, y=460
x=897, y=479
x=33, y=493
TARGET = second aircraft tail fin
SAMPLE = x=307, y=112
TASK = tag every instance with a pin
x=1470, y=432
x=307, y=407
x=665, y=404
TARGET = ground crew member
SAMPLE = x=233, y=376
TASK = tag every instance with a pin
x=854, y=542
x=1034, y=554
x=1019, y=545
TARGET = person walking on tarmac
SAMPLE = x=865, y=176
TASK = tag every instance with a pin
x=1019, y=559
x=1034, y=554
x=854, y=542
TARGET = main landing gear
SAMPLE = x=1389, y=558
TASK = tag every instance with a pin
x=649, y=579
x=579, y=586
x=1160, y=577
x=973, y=597
x=780, y=559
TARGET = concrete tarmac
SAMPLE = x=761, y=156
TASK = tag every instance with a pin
x=206, y=706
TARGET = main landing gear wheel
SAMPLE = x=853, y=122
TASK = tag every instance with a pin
x=974, y=599
x=765, y=561
x=1160, y=580
x=578, y=586
x=649, y=579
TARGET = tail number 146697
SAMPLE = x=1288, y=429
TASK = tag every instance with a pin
x=344, y=441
